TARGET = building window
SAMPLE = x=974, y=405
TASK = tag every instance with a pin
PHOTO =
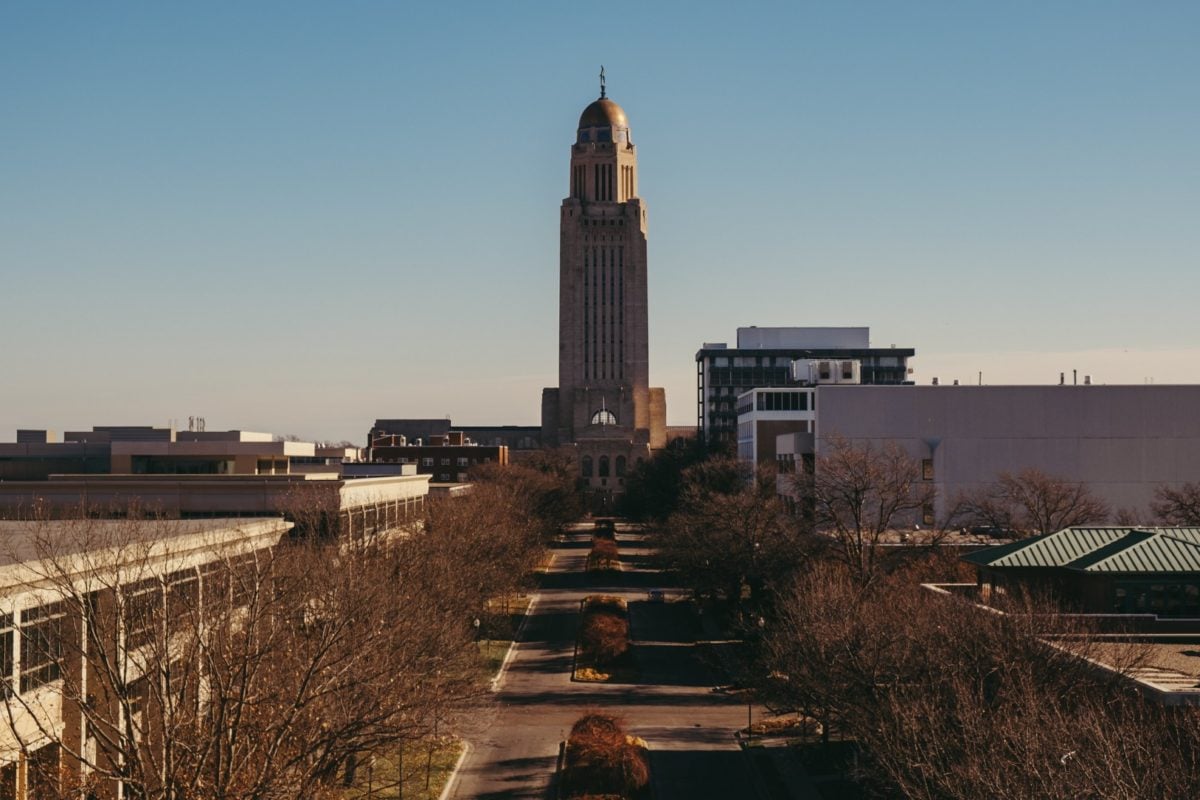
x=143, y=612
x=445, y=462
x=6, y=654
x=8, y=781
x=462, y=462
x=620, y=465
x=426, y=462
x=183, y=599
x=603, y=466
x=43, y=772
x=586, y=463
x=245, y=581
x=42, y=632
x=604, y=417
x=927, y=469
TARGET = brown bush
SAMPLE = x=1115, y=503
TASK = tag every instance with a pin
x=610, y=601
x=605, y=547
x=603, y=635
x=604, y=555
x=603, y=761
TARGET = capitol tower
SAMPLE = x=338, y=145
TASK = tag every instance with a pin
x=603, y=406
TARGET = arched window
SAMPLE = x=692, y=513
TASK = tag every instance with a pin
x=604, y=417
x=603, y=466
x=620, y=466
x=587, y=466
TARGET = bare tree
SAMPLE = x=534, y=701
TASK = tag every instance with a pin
x=546, y=486
x=861, y=495
x=1031, y=502
x=947, y=701
x=1179, y=505
x=731, y=534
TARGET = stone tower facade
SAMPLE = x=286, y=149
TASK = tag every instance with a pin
x=603, y=405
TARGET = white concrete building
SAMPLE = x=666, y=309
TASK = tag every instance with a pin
x=764, y=414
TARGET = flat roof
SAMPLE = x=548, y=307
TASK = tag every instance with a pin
x=1167, y=666
x=27, y=540
x=808, y=352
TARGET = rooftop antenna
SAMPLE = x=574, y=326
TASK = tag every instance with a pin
x=602, y=94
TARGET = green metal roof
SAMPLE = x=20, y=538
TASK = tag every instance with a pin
x=1161, y=552
x=1110, y=549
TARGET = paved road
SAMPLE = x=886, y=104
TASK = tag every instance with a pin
x=514, y=741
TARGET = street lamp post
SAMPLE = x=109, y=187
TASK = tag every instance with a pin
x=762, y=623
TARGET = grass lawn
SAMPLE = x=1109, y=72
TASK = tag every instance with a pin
x=379, y=781
x=491, y=655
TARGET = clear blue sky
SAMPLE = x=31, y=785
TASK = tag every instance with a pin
x=298, y=217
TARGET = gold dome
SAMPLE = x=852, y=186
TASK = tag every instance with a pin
x=603, y=113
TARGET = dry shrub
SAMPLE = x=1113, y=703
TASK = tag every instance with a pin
x=606, y=601
x=603, y=635
x=605, y=547
x=603, y=761
x=604, y=555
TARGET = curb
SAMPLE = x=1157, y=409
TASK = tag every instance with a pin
x=512, y=648
x=445, y=795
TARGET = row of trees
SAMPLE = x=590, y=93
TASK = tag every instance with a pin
x=269, y=673
x=728, y=533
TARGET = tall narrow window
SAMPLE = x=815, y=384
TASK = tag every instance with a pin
x=6, y=653
x=42, y=632
x=603, y=466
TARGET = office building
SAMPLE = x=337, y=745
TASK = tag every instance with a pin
x=763, y=359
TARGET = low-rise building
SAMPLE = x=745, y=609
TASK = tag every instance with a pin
x=1100, y=570
x=1125, y=599
x=138, y=450
x=447, y=458
x=193, y=474
x=46, y=678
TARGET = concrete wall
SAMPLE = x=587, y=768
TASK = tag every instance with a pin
x=1122, y=441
